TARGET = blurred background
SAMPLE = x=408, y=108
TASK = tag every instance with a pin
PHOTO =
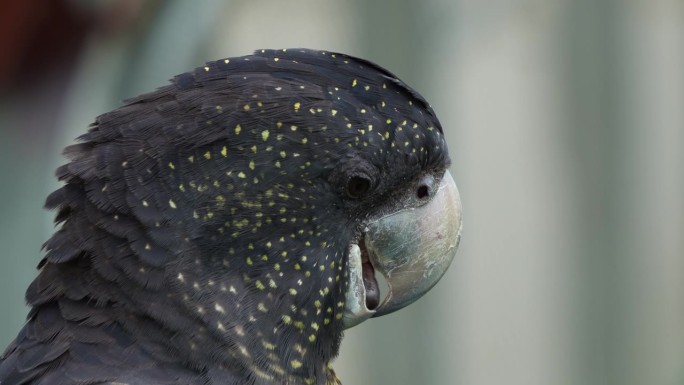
x=565, y=120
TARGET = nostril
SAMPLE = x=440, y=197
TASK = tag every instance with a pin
x=423, y=192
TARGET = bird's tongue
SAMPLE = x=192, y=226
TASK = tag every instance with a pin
x=369, y=281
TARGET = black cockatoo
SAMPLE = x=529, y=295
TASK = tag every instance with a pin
x=227, y=228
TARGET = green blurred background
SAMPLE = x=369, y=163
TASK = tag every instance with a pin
x=565, y=120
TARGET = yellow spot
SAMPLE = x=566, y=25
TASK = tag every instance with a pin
x=224, y=151
x=275, y=59
x=243, y=350
x=264, y=135
x=354, y=83
x=249, y=261
x=246, y=107
x=241, y=175
x=207, y=155
x=287, y=319
x=259, y=285
x=333, y=112
x=312, y=338
x=388, y=121
x=283, y=154
x=206, y=69
x=144, y=203
x=251, y=165
x=268, y=345
x=295, y=364
x=172, y=166
x=172, y=203
x=279, y=124
x=296, y=106
x=238, y=129
x=293, y=292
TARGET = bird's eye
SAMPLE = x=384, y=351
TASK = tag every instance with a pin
x=357, y=187
x=423, y=192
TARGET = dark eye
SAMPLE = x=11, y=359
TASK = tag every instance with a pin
x=357, y=186
x=423, y=192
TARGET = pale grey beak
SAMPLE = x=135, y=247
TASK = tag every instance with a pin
x=412, y=248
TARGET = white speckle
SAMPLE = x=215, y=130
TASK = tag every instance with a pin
x=219, y=308
x=243, y=350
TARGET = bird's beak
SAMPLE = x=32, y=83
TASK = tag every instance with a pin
x=412, y=249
